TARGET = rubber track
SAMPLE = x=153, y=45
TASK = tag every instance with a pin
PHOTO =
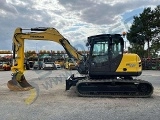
x=115, y=94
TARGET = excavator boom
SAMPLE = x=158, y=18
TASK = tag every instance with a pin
x=18, y=81
x=49, y=34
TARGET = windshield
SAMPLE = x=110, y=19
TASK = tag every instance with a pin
x=100, y=51
x=100, y=48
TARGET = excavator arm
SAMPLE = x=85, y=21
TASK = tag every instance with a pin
x=18, y=81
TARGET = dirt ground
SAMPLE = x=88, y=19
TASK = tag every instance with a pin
x=49, y=100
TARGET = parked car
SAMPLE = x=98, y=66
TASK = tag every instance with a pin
x=26, y=64
x=5, y=66
x=48, y=66
x=37, y=65
x=58, y=66
x=60, y=61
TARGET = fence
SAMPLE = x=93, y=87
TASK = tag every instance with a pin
x=151, y=63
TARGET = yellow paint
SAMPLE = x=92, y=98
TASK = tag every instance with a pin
x=131, y=62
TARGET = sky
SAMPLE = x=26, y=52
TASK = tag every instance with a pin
x=74, y=19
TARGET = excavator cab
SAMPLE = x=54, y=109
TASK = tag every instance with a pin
x=106, y=52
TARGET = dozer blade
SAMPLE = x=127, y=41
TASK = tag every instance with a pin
x=19, y=85
x=114, y=88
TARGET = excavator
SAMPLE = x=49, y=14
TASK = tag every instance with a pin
x=106, y=70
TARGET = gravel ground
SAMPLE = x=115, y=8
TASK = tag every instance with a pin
x=53, y=102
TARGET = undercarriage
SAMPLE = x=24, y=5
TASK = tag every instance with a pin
x=110, y=87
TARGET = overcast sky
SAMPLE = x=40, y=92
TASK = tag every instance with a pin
x=74, y=19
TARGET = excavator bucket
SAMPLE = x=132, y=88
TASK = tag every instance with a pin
x=19, y=83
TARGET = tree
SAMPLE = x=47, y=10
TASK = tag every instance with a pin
x=156, y=21
x=136, y=40
x=142, y=29
x=155, y=47
x=29, y=53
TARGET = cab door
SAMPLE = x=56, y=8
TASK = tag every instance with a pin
x=99, y=58
x=116, y=53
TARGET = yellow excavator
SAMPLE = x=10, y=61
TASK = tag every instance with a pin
x=106, y=70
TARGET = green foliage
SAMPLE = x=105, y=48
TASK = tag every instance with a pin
x=145, y=29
